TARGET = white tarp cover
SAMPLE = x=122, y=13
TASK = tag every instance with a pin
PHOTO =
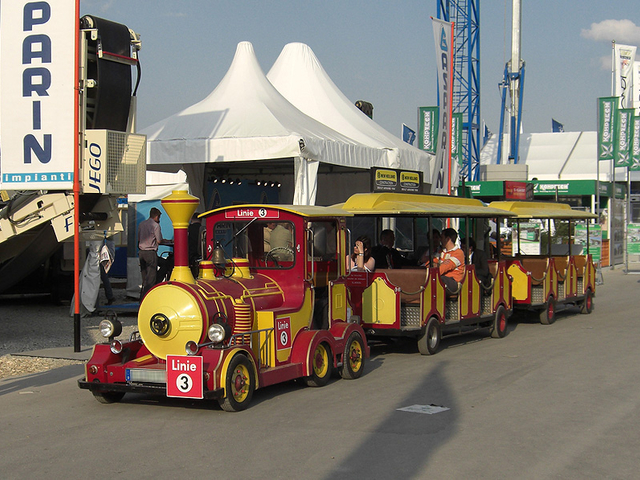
x=298, y=75
x=245, y=118
x=557, y=156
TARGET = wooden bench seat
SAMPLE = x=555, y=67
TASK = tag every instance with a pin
x=409, y=280
x=537, y=267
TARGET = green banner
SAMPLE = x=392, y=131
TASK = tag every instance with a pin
x=428, y=129
x=456, y=138
x=633, y=238
x=635, y=145
x=595, y=240
x=607, y=108
x=622, y=143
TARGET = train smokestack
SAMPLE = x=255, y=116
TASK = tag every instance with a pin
x=180, y=207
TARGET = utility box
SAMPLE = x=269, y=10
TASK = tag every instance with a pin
x=114, y=162
x=516, y=171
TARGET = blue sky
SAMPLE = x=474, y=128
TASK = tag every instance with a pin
x=381, y=52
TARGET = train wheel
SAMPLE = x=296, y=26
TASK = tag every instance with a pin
x=239, y=385
x=353, y=357
x=429, y=342
x=548, y=315
x=320, y=366
x=587, y=305
x=108, y=397
x=499, y=329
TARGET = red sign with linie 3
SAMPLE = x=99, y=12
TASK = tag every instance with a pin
x=250, y=212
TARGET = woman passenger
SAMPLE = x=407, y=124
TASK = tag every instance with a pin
x=361, y=258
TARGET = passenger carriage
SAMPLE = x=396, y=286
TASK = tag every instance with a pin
x=557, y=274
x=412, y=301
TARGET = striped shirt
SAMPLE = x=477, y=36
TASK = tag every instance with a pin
x=451, y=263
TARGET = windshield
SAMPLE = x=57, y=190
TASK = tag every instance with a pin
x=264, y=243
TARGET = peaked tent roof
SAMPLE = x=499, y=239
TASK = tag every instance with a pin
x=245, y=118
x=300, y=78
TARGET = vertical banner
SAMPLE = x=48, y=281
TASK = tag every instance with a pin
x=623, y=60
x=456, y=139
x=428, y=129
x=443, y=39
x=607, y=108
x=408, y=135
x=635, y=145
x=636, y=86
x=37, y=68
x=622, y=141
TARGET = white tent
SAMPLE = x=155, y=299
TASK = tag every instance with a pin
x=298, y=75
x=246, y=119
x=557, y=156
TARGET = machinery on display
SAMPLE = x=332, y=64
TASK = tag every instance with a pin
x=274, y=299
x=36, y=222
x=253, y=318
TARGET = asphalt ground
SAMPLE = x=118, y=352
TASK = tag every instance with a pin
x=559, y=401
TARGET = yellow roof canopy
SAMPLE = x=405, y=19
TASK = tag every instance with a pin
x=399, y=204
x=542, y=210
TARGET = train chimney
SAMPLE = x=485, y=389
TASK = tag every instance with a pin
x=180, y=207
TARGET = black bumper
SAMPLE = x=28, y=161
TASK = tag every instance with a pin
x=148, y=388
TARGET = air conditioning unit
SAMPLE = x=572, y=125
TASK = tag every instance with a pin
x=114, y=162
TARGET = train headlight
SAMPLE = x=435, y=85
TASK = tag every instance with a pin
x=110, y=328
x=216, y=333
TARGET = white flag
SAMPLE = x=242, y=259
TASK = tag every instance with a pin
x=624, y=58
x=636, y=87
x=441, y=173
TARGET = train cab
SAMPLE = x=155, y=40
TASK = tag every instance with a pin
x=256, y=315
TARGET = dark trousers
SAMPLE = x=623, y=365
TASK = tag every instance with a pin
x=148, y=270
x=106, y=283
x=450, y=284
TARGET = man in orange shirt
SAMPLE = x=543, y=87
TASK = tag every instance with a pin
x=451, y=262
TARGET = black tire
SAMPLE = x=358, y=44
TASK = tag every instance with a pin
x=429, y=342
x=239, y=385
x=548, y=315
x=321, y=362
x=353, y=357
x=586, y=307
x=108, y=397
x=499, y=329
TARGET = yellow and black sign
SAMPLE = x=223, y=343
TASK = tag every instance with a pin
x=392, y=180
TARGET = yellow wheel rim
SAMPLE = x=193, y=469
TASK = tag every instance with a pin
x=320, y=361
x=355, y=356
x=240, y=383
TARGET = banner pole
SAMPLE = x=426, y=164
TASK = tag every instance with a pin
x=76, y=190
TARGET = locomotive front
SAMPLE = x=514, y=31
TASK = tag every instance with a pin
x=178, y=318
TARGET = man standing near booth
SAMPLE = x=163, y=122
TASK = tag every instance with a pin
x=149, y=238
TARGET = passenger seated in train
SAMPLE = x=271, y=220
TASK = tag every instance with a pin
x=451, y=261
x=386, y=256
x=478, y=258
x=436, y=239
x=361, y=259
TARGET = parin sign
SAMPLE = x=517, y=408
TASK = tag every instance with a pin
x=37, y=74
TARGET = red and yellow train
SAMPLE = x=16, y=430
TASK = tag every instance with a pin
x=275, y=298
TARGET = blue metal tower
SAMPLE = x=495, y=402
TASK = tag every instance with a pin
x=465, y=14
